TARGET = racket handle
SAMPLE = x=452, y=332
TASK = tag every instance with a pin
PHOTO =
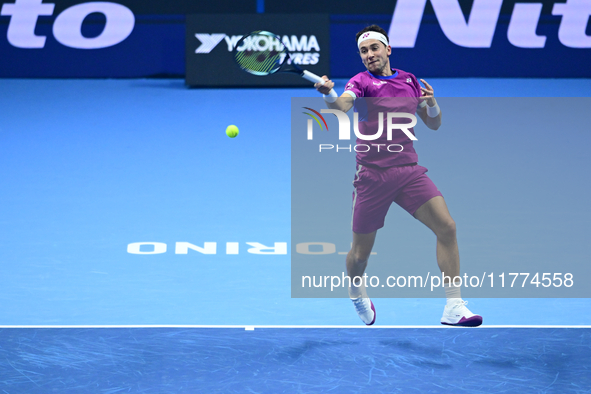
x=315, y=78
x=312, y=77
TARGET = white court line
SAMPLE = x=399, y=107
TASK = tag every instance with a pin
x=253, y=327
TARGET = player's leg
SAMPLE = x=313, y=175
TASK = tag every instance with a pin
x=372, y=198
x=421, y=198
x=356, y=263
x=370, y=205
x=435, y=215
x=369, y=210
x=359, y=253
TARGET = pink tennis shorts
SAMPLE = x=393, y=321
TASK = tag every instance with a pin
x=376, y=189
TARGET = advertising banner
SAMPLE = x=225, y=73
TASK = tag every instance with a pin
x=435, y=38
x=87, y=40
x=211, y=39
x=487, y=38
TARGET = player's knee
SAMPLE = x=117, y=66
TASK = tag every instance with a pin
x=358, y=257
x=447, y=231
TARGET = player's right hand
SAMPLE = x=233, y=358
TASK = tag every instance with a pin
x=328, y=85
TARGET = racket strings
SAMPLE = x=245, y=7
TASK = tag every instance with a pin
x=263, y=62
x=260, y=54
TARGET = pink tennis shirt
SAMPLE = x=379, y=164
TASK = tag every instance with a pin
x=399, y=92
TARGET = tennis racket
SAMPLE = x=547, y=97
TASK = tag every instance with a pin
x=262, y=53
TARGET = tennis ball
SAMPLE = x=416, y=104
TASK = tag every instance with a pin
x=232, y=131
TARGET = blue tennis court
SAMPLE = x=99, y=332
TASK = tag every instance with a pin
x=287, y=360
x=91, y=167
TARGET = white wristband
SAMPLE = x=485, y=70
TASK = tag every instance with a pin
x=433, y=111
x=329, y=99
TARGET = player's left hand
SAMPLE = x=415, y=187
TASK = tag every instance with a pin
x=428, y=93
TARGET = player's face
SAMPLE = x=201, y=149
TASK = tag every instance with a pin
x=374, y=55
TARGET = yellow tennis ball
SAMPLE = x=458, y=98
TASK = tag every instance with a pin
x=232, y=131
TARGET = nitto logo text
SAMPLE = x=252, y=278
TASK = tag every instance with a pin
x=23, y=14
x=479, y=29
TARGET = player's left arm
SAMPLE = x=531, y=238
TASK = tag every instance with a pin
x=431, y=117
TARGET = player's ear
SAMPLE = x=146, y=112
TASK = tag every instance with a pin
x=389, y=49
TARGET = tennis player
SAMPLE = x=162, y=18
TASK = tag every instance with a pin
x=384, y=177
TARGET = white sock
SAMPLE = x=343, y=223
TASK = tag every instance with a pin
x=356, y=291
x=453, y=294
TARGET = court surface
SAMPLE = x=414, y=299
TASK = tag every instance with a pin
x=91, y=166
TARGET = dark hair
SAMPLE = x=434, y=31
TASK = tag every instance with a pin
x=372, y=28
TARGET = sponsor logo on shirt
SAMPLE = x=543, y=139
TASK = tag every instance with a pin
x=379, y=83
x=408, y=80
x=349, y=86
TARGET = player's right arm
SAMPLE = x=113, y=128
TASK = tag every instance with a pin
x=343, y=103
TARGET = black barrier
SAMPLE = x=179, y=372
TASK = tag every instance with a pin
x=211, y=38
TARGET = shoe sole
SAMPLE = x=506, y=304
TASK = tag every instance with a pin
x=473, y=321
x=374, y=315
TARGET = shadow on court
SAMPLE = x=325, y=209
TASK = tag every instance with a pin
x=291, y=360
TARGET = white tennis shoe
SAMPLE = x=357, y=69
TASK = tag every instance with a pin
x=458, y=315
x=364, y=308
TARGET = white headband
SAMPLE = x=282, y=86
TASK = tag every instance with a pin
x=372, y=35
